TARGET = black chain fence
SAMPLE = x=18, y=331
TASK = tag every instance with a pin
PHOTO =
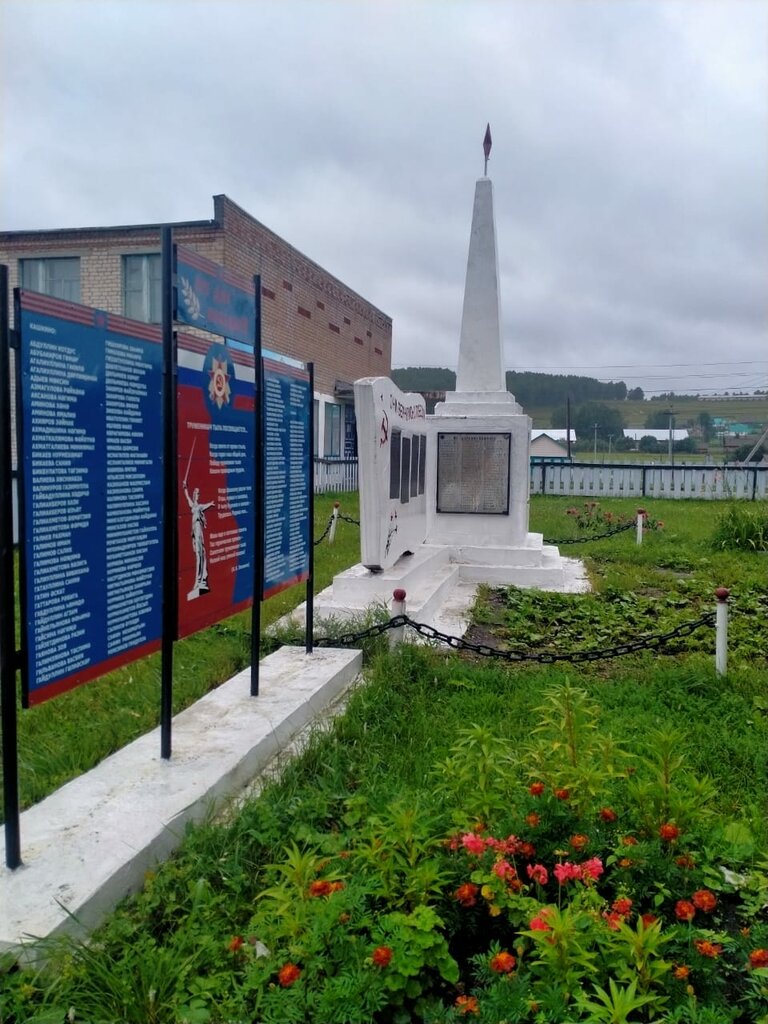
x=592, y=536
x=547, y=540
x=648, y=643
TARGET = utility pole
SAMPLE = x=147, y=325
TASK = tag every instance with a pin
x=610, y=439
x=595, y=455
x=672, y=413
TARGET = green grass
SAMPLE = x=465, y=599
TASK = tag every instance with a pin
x=358, y=780
x=68, y=735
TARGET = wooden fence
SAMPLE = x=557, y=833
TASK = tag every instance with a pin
x=335, y=475
x=630, y=480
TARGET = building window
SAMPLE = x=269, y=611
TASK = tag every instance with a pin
x=142, y=288
x=59, y=276
x=332, y=446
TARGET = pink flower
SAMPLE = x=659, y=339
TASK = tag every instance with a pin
x=503, y=870
x=538, y=873
x=566, y=872
x=592, y=868
x=473, y=844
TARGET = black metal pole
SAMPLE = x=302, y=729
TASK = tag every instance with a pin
x=170, y=516
x=7, y=600
x=259, y=458
x=310, y=617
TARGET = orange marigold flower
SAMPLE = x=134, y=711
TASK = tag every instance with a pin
x=288, y=974
x=626, y=863
x=628, y=841
x=758, y=958
x=320, y=888
x=669, y=832
x=562, y=794
x=704, y=900
x=685, y=910
x=649, y=919
x=608, y=814
x=236, y=943
x=344, y=918
x=527, y=850
x=502, y=963
x=536, y=788
x=466, y=894
x=707, y=948
x=381, y=956
x=336, y=886
x=532, y=819
x=467, y=1004
x=681, y=972
x=579, y=841
x=686, y=861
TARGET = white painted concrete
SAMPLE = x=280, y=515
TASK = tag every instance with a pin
x=481, y=366
x=392, y=436
x=90, y=843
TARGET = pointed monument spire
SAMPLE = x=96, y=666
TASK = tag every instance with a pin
x=481, y=364
x=487, y=143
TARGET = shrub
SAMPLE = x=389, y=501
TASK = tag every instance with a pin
x=742, y=527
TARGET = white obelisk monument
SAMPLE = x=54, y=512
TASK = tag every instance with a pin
x=480, y=437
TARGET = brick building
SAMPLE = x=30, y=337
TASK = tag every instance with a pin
x=306, y=312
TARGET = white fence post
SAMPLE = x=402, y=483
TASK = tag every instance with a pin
x=721, y=631
x=398, y=608
x=640, y=524
x=334, y=520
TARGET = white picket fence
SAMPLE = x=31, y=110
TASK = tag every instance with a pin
x=335, y=475
x=615, y=480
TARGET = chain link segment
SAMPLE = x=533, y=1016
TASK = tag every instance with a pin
x=325, y=532
x=457, y=643
x=597, y=536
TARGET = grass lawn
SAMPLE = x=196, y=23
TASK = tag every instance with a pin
x=480, y=841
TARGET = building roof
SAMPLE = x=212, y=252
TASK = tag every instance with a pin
x=635, y=433
x=556, y=433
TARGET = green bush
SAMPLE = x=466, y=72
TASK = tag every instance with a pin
x=743, y=527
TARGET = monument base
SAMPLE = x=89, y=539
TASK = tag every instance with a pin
x=434, y=571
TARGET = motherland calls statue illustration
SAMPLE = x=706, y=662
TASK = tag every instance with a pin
x=198, y=510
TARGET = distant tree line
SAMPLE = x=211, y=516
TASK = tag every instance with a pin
x=530, y=389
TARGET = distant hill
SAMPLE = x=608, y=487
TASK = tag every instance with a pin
x=530, y=389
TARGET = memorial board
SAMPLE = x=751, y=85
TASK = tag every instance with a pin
x=392, y=455
x=214, y=299
x=90, y=388
x=215, y=481
x=287, y=529
x=473, y=473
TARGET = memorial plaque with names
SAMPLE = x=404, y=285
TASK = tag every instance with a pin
x=473, y=473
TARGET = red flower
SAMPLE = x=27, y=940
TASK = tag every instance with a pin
x=287, y=974
x=527, y=850
x=649, y=919
x=622, y=906
x=502, y=963
x=681, y=972
x=467, y=1004
x=704, y=900
x=381, y=956
x=579, y=841
x=562, y=794
x=685, y=861
x=608, y=814
x=613, y=919
x=320, y=888
x=758, y=958
x=540, y=922
x=669, y=832
x=236, y=943
x=685, y=910
x=536, y=788
x=532, y=819
x=628, y=841
x=466, y=894
x=709, y=949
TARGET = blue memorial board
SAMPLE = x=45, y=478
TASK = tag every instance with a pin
x=214, y=299
x=287, y=409
x=92, y=491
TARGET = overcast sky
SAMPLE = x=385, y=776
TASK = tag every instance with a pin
x=630, y=158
